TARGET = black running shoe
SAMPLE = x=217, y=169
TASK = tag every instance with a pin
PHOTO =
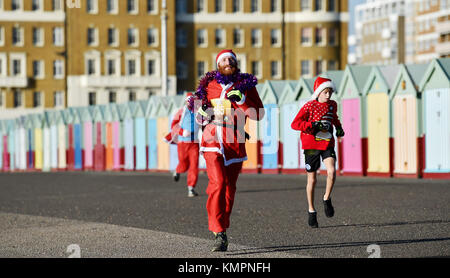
x=220, y=242
x=329, y=210
x=312, y=220
x=176, y=176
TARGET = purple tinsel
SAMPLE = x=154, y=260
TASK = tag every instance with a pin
x=242, y=82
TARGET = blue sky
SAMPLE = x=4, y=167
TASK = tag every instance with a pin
x=352, y=4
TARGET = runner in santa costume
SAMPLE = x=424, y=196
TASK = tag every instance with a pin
x=224, y=99
x=184, y=133
x=315, y=120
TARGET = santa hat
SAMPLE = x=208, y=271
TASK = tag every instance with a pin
x=320, y=84
x=225, y=53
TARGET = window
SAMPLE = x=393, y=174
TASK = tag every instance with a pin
x=200, y=6
x=275, y=69
x=319, y=67
x=182, y=70
x=132, y=96
x=306, y=37
x=90, y=67
x=305, y=5
x=201, y=69
x=131, y=67
x=151, y=6
x=181, y=7
x=58, y=36
x=2, y=64
x=151, y=67
x=254, y=6
x=305, y=68
x=56, y=5
x=36, y=5
x=181, y=38
x=201, y=38
x=38, y=69
x=318, y=5
x=132, y=8
x=91, y=6
x=218, y=6
x=132, y=63
x=332, y=65
x=58, y=69
x=332, y=35
x=273, y=6
x=112, y=97
x=275, y=35
x=237, y=37
x=331, y=5
x=17, y=36
x=92, y=98
x=16, y=5
x=220, y=37
x=320, y=36
x=256, y=68
x=111, y=67
x=152, y=37
x=37, y=99
x=92, y=35
x=16, y=67
x=112, y=36
x=38, y=36
x=111, y=6
x=133, y=37
x=256, y=37
x=2, y=35
x=17, y=98
x=236, y=6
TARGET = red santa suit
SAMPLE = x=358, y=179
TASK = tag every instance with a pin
x=223, y=146
x=184, y=132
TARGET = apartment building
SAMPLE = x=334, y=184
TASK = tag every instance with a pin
x=274, y=39
x=32, y=56
x=116, y=51
x=443, y=29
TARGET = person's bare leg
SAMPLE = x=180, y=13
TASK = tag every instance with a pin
x=310, y=185
x=331, y=176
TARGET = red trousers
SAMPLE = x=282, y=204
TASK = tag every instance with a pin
x=221, y=190
x=188, y=161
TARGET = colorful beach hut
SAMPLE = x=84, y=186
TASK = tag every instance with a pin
x=77, y=139
x=152, y=132
x=98, y=138
x=20, y=143
x=2, y=134
x=10, y=129
x=407, y=121
x=46, y=142
x=352, y=116
x=63, y=139
x=252, y=146
x=176, y=103
x=435, y=88
x=162, y=126
x=38, y=141
x=128, y=136
x=379, y=130
x=53, y=129
x=140, y=136
x=289, y=138
x=87, y=135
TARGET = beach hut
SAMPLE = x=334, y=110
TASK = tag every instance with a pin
x=98, y=138
x=152, y=132
x=87, y=135
x=435, y=88
x=379, y=129
x=53, y=145
x=128, y=136
x=46, y=142
x=20, y=135
x=269, y=127
x=304, y=90
x=140, y=136
x=354, y=143
x=62, y=137
x=109, y=150
x=29, y=142
x=162, y=124
x=69, y=139
x=252, y=145
x=289, y=138
x=37, y=120
x=406, y=120
x=77, y=135
x=10, y=129
x=2, y=134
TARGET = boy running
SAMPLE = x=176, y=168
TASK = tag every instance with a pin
x=315, y=120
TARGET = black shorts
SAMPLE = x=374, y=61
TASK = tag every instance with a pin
x=312, y=158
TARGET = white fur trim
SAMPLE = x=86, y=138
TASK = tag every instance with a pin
x=226, y=54
x=242, y=100
x=326, y=84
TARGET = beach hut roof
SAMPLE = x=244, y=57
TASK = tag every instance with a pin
x=271, y=92
x=136, y=110
x=439, y=66
x=97, y=113
x=381, y=79
x=288, y=94
x=411, y=74
x=304, y=88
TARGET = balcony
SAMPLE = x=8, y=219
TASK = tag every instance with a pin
x=13, y=81
x=120, y=81
x=443, y=27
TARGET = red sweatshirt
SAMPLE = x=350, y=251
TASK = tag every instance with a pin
x=314, y=111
